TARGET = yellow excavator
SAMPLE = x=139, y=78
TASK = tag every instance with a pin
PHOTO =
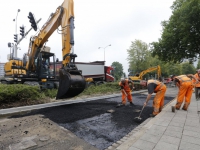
x=138, y=78
x=31, y=69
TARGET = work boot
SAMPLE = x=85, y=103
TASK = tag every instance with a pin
x=173, y=108
x=131, y=104
x=184, y=109
x=120, y=105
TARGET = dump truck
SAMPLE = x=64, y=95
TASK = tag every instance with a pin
x=95, y=73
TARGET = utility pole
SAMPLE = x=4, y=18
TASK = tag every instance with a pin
x=104, y=50
x=15, y=35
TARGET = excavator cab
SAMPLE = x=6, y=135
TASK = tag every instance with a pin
x=44, y=65
x=45, y=74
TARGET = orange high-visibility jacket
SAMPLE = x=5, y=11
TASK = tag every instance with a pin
x=194, y=81
x=183, y=78
x=125, y=85
x=159, y=84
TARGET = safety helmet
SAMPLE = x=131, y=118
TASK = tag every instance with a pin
x=122, y=79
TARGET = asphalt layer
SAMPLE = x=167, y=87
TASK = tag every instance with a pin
x=92, y=122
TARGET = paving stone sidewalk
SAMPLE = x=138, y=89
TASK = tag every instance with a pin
x=167, y=131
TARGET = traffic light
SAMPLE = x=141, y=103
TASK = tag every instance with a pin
x=32, y=21
x=22, y=31
x=15, y=38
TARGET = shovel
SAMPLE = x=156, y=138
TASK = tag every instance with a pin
x=124, y=92
x=139, y=119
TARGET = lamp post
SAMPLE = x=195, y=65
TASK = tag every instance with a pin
x=15, y=48
x=104, y=49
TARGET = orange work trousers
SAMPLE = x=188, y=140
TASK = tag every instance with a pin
x=126, y=94
x=158, y=101
x=185, y=92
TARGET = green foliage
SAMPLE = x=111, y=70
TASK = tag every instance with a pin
x=27, y=94
x=181, y=33
x=50, y=93
x=198, y=64
x=118, y=70
x=172, y=69
x=188, y=68
x=178, y=69
x=138, y=56
x=110, y=87
x=18, y=92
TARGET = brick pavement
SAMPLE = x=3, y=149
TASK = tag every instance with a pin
x=166, y=131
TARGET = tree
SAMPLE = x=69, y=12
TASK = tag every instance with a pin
x=187, y=68
x=118, y=70
x=174, y=69
x=181, y=33
x=138, y=54
x=198, y=64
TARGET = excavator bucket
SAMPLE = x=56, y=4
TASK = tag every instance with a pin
x=71, y=83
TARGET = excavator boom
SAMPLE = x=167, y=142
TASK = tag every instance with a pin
x=150, y=70
x=71, y=81
x=147, y=71
x=139, y=82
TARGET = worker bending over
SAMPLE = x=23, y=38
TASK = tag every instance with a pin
x=197, y=86
x=185, y=85
x=155, y=86
x=126, y=91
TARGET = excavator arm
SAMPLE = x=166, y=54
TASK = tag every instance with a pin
x=150, y=70
x=71, y=81
x=64, y=17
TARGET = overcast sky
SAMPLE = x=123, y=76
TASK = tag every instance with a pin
x=98, y=23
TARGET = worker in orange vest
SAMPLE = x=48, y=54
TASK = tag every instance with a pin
x=126, y=91
x=155, y=86
x=197, y=86
x=185, y=85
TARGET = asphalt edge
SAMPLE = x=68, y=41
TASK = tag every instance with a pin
x=26, y=109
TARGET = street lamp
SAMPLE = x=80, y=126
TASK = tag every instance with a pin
x=16, y=32
x=104, y=50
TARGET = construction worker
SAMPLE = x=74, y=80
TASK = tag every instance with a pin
x=126, y=91
x=185, y=85
x=44, y=63
x=155, y=86
x=197, y=86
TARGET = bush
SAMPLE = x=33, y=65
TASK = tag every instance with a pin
x=18, y=92
x=12, y=95
x=50, y=93
x=110, y=87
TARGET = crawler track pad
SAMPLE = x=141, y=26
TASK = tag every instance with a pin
x=70, y=84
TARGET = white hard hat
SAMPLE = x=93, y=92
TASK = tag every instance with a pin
x=122, y=79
